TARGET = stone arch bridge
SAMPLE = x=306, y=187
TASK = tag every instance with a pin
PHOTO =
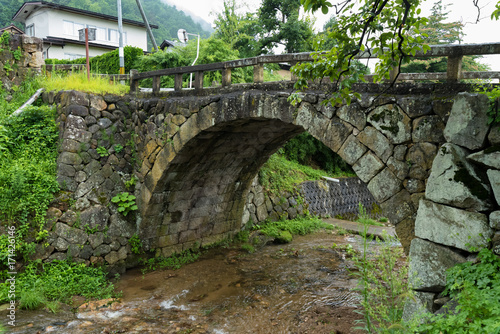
x=426, y=153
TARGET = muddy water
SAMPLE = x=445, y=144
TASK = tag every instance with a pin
x=301, y=287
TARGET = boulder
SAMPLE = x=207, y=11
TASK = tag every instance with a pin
x=452, y=227
x=494, y=177
x=428, y=265
x=455, y=181
x=467, y=125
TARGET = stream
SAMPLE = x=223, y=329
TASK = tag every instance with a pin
x=300, y=287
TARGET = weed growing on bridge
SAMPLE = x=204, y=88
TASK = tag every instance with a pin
x=78, y=81
x=125, y=202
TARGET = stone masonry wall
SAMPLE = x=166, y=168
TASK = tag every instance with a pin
x=460, y=212
x=13, y=71
x=324, y=198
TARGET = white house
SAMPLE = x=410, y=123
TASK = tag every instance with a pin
x=58, y=26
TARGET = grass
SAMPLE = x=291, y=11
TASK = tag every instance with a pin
x=48, y=284
x=283, y=230
x=78, y=81
x=279, y=175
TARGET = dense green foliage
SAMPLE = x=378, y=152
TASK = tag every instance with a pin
x=212, y=50
x=279, y=175
x=476, y=288
x=167, y=17
x=307, y=150
x=41, y=283
x=106, y=63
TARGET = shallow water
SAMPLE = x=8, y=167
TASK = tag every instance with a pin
x=274, y=290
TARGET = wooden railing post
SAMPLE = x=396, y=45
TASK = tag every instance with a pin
x=258, y=73
x=156, y=85
x=226, y=77
x=134, y=84
x=454, y=70
x=178, y=82
x=198, y=80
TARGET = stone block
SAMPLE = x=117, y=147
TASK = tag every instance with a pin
x=102, y=250
x=69, y=158
x=488, y=158
x=418, y=307
x=336, y=134
x=367, y=167
x=61, y=244
x=405, y=230
x=97, y=102
x=376, y=142
x=495, y=220
x=261, y=212
x=398, y=207
x=72, y=235
x=428, y=265
x=454, y=181
x=494, y=177
x=384, y=185
x=168, y=240
x=428, y=129
x=96, y=239
x=352, y=150
x=353, y=114
x=392, y=122
x=95, y=217
x=467, y=125
x=398, y=167
x=414, y=185
x=452, y=227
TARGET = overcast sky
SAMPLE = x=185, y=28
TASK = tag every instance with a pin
x=461, y=10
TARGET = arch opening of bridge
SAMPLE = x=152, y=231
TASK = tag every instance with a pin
x=196, y=189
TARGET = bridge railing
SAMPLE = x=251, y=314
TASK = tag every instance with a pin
x=454, y=53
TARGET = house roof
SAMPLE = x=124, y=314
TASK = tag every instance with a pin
x=166, y=44
x=12, y=28
x=30, y=7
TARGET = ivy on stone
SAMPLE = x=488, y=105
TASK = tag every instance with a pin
x=125, y=202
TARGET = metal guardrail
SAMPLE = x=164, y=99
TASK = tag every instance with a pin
x=454, y=53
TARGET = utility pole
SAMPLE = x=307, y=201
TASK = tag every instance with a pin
x=150, y=33
x=120, y=33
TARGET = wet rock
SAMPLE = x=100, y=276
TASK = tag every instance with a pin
x=452, y=227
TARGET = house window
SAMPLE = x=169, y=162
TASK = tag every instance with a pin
x=30, y=30
x=100, y=34
x=71, y=28
x=73, y=56
x=68, y=27
x=113, y=35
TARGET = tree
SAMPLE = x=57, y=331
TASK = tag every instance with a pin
x=440, y=32
x=282, y=25
x=389, y=28
x=239, y=31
